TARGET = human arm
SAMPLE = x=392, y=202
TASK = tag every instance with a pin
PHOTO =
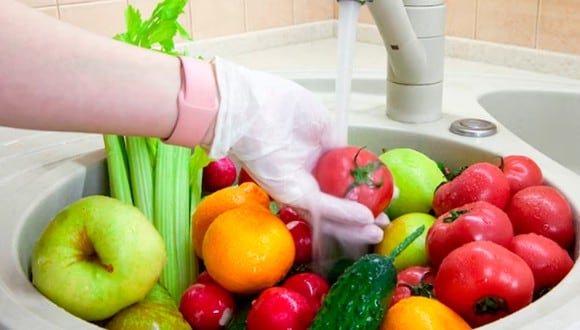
x=55, y=76
x=75, y=81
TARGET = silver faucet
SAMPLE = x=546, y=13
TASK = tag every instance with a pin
x=413, y=34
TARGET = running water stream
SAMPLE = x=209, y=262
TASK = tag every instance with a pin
x=326, y=249
x=347, y=28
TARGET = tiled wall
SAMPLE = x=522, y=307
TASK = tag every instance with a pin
x=203, y=19
x=546, y=24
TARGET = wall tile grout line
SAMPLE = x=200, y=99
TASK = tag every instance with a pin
x=538, y=18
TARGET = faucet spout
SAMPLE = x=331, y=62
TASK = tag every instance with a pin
x=413, y=35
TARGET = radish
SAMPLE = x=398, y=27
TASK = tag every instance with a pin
x=207, y=306
x=280, y=308
x=302, y=235
x=218, y=174
x=288, y=214
x=244, y=177
x=205, y=278
x=311, y=285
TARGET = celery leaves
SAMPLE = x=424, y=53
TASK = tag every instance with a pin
x=157, y=32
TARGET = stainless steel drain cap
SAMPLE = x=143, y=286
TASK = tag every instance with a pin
x=473, y=127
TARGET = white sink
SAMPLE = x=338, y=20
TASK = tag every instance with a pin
x=548, y=120
x=50, y=176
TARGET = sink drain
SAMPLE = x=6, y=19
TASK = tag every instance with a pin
x=473, y=127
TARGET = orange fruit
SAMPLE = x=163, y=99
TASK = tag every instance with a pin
x=247, y=250
x=247, y=194
x=422, y=313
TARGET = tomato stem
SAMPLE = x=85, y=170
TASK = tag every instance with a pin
x=362, y=174
x=501, y=163
x=540, y=292
x=454, y=215
x=422, y=289
x=490, y=305
x=452, y=174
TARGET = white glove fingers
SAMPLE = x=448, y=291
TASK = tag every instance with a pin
x=344, y=211
x=353, y=234
x=382, y=220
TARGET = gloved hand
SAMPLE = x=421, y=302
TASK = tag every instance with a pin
x=277, y=130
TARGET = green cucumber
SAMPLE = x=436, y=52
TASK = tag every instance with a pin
x=238, y=321
x=360, y=296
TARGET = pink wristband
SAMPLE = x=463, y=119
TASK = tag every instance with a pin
x=197, y=103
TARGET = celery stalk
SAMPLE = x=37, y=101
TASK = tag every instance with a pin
x=172, y=219
x=119, y=185
x=159, y=174
x=141, y=173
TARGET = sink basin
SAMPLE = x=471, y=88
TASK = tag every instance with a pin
x=548, y=120
x=72, y=167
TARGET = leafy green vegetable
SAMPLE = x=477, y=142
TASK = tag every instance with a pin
x=163, y=181
x=198, y=161
x=157, y=32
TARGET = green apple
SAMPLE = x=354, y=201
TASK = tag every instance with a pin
x=97, y=256
x=157, y=311
x=397, y=230
x=416, y=177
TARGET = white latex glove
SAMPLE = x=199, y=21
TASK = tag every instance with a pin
x=278, y=130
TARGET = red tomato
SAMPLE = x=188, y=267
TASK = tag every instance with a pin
x=279, y=308
x=478, y=182
x=549, y=262
x=471, y=222
x=542, y=210
x=311, y=285
x=218, y=174
x=521, y=172
x=483, y=281
x=356, y=174
x=414, y=281
x=207, y=306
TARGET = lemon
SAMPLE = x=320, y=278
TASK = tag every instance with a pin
x=397, y=230
x=416, y=176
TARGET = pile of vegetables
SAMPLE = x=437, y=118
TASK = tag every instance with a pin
x=500, y=240
x=165, y=183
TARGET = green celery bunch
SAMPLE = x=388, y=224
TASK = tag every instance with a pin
x=162, y=180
